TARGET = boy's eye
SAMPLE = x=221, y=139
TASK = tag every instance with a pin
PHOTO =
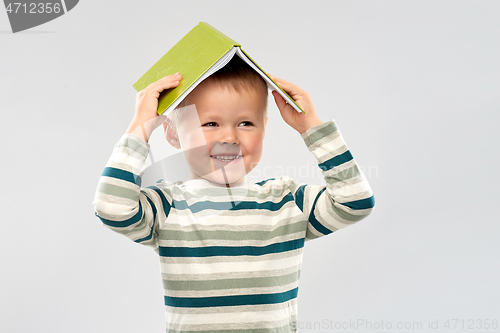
x=210, y=124
x=246, y=123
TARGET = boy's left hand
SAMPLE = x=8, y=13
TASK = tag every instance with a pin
x=299, y=121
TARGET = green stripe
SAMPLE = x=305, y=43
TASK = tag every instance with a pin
x=319, y=134
x=232, y=235
x=136, y=146
x=347, y=216
x=343, y=175
x=117, y=191
x=269, y=281
x=310, y=235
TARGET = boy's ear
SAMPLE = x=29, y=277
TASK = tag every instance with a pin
x=265, y=123
x=171, y=134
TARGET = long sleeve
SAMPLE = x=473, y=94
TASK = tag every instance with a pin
x=120, y=203
x=346, y=198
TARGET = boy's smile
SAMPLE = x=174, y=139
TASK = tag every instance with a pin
x=221, y=132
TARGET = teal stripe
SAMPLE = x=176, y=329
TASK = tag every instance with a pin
x=336, y=161
x=242, y=205
x=212, y=251
x=166, y=205
x=263, y=182
x=361, y=204
x=123, y=175
x=312, y=219
x=233, y=300
x=299, y=197
x=125, y=223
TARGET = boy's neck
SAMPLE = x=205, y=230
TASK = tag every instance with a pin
x=203, y=181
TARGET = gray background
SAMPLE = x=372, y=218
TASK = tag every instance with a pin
x=413, y=86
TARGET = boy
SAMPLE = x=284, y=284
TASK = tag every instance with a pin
x=230, y=251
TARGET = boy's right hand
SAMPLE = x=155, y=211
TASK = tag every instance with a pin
x=146, y=119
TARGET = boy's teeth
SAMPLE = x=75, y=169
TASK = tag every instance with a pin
x=225, y=158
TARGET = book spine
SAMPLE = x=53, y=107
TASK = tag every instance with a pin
x=218, y=35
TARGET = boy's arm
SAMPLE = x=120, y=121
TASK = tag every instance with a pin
x=119, y=201
x=347, y=196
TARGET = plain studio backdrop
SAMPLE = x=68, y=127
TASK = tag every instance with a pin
x=413, y=85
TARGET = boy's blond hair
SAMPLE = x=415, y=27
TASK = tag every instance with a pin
x=237, y=75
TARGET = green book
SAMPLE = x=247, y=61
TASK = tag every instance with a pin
x=199, y=54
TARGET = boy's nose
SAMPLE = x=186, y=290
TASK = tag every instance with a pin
x=228, y=135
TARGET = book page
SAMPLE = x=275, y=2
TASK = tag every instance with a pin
x=218, y=65
x=270, y=83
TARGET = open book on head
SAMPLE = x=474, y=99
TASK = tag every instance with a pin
x=199, y=54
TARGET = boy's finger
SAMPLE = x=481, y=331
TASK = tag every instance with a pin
x=280, y=101
x=290, y=88
x=166, y=82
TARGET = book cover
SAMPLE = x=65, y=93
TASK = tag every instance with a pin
x=203, y=49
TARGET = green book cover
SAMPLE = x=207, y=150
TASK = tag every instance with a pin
x=193, y=56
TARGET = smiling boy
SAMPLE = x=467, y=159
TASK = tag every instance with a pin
x=230, y=251
x=228, y=125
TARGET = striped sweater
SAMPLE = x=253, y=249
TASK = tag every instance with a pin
x=230, y=258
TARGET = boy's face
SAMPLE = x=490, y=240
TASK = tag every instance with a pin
x=221, y=132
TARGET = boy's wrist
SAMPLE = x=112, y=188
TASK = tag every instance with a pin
x=310, y=124
x=137, y=129
x=144, y=127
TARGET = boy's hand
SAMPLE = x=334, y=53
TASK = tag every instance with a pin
x=299, y=121
x=146, y=119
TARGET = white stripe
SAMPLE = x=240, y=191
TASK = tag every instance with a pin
x=232, y=242
x=328, y=147
x=232, y=218
x=224, y=267
x=119, y=182
x=112, y=210
x=231, y=317
x=135, y=165
x=346, y=183
x=250, y=227
x=345, y=193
